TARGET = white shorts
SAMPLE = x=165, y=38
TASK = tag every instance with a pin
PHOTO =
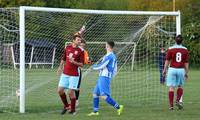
x=68, y=82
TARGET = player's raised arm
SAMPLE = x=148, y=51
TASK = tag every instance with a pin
x=82, y=30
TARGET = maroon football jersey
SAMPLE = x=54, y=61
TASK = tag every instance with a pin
x=75, y=53
x=178, y=55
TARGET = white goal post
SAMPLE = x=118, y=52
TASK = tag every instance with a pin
x=24, y=9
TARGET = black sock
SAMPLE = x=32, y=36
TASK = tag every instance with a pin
x=77, y=94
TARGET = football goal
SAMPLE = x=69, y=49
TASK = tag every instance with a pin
x=35, y=37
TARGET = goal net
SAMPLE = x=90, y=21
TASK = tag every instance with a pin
x=139, y=37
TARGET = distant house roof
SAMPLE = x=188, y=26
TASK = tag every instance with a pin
x=38, y=43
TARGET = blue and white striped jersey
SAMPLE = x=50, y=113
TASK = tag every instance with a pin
x=108, y=66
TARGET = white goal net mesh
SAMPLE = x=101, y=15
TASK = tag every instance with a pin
x=138, y=39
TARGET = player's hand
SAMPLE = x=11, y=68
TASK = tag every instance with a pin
x=164, y=73
x=71, y=60
x=90, y=62
x=83, y=28
x=59, y=71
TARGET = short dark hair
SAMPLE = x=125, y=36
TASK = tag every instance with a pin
x=111, y=44
x=179, y=39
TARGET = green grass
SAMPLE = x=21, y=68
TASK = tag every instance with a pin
x=144, y=98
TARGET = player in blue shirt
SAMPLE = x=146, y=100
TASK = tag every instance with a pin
x=107, y=70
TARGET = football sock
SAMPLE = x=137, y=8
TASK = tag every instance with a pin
x=64, y=100
x=179, y=94
x=96, y=104
x=73, y=104
x=77, y=94
x=110, y=101
x=171, y=98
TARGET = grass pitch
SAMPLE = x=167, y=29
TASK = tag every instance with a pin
x=142, y=99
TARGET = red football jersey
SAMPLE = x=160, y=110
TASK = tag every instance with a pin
x=178, y=55
x=77, y=54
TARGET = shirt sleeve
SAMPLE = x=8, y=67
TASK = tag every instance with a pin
x=169, y=55
x=102, y=64
x=86, y=57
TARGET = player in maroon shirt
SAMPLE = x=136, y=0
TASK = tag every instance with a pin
x=177, y=57
x=73, y=57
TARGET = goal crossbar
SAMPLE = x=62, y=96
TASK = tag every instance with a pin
x=86, y=11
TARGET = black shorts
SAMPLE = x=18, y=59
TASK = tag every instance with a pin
x=80, y=77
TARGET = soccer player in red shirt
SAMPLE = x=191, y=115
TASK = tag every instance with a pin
x=177, y=57
x=73, y=57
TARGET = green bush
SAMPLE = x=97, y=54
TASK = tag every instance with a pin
x=191, y=33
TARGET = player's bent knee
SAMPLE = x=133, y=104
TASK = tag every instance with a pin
x=60, y=91
x=71, y=93
x=171, y=88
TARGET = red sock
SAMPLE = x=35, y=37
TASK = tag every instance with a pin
x=64, y=100
x=171, y=98
x=73, y=104
x=179, y=94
